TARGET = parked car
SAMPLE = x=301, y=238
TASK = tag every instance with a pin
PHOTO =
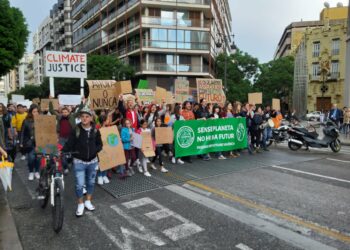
x=313, y=116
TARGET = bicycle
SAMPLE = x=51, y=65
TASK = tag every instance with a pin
x=51, y=185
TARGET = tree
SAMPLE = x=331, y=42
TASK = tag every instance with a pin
x=241, y=72
x=13, y=36
x=275, y=79
x=29, y=91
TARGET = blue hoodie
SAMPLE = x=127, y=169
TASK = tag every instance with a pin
x=125, y=136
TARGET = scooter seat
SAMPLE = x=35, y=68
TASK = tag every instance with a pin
x=313, y=135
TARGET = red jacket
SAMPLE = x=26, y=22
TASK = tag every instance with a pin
x=132, y=116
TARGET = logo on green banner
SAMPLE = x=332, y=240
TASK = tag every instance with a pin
x=240, y=134
x=185, y=137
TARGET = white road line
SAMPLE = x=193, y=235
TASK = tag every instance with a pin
x=312, y=174
x=286, y=235
x=131, y=220
x=331, y=159
x=243, y=247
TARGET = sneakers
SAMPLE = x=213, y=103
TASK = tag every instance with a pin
x=89, y=206
x=171, y=154
x=221, y=157
x=153, y=166
x=80, y=210
x=206, y=158
x=132, y=170
x=23, y=158
x=147, y=174
x=163, y=170
x=84, y=190
x=128, y=173
x=139, y=168
x=66, y=171
x=180, y=161
x=37, y=175
x=136, y=163
x=105, y=180
x=173, y=160
x=31, y=176
x=100, y=180
x=148, y=160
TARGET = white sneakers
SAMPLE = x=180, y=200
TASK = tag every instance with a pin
x=105, y=180
x=89, y=206
x=23, y=157
x=139, y=168
x=180, y=161
x=163, y=169
x=173, y=160
x=100, y=180
x=221, y=157
x=31, y=176
x=146, y=173
x=81, y=207
x=153, y=167
x=37, y=175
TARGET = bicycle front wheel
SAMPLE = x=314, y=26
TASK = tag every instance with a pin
x=58, y=208
x=43, y=189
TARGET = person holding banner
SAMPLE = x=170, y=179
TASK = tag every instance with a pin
x=173, y=118
x=187, y=111
x=85, y=141
x=158, y=123
x=267, y=131
x=127, y=138
x=256, y=129
x=203, y=114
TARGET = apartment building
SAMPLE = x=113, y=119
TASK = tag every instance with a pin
x=61, y=26
x=162, y=39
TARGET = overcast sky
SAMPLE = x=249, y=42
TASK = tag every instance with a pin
x=257, y=24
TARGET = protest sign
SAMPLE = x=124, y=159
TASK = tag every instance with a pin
x=211, y=91
x=169, y=98
x=147, y=144
x=17, y=98
x=25, y=103
x=103, y=94
x=45, y=133
x=4, y=100
x=160, y=95
x=137, y=141
x=276, y=104
x=112, y=147
x=146, y=96
x=65, y=64
x=182, y=90
x=36, y=101
x=196, y=137
x=255, y=98
x=164, y=135
x=69, y=100
x=123, y=87
x=44, y=104
x=143, y=84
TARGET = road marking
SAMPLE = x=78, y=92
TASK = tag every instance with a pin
x=243, y=247
x=21, y=173
x=184, y=230
x=298, y=221
x=286, y=235
x=312, y=174
x=331, y=159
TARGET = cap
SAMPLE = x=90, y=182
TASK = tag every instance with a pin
x=85, y=110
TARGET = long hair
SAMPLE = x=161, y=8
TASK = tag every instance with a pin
x=30, y=112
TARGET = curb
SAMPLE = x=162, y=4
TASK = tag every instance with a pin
x=9, y=239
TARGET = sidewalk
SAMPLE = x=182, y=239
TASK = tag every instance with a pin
x=9, y=239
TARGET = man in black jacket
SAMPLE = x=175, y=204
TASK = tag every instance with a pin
x=85, y=142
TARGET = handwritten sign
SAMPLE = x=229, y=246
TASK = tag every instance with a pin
x=169, y=98
x=146, y=96
x=182, y=89
x=45, y=133
x=211, y=91
x=164, y=135
x=161, y=95
x=65, y=64
x=112, y=146
x=44, y=104
x=255, y=98
x=103, y=94
x=276, y=104
x=147, y=144
x=124, y=87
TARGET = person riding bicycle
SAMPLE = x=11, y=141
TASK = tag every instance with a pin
x=85, y=142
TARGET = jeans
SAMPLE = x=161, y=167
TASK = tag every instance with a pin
x=267, y=134
x=85, y=174
x=102, y=173
x=63, y=141
x=33, y=161
x=159, y=154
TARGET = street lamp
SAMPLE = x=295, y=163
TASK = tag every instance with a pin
x=233, y=48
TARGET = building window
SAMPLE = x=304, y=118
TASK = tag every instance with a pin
x=335, y=46
x=335, y=70
x=316, y=49
x=315, y=70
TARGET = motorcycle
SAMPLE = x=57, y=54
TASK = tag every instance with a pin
x=279, y=135
x=302, y=137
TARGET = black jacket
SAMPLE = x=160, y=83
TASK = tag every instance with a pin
x=82, y=144
x=202, y=112
x=27, y=139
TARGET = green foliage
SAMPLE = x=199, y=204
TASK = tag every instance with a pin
x=276, y=79
x=104, y=67
x=29, y=91
x=242, y=69
x=13, y=36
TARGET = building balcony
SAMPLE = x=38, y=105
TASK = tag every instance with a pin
x=176, y=68
x=314, y=78
x=118, y=12
x=175, y=45
x=86, y=16
x=334, y=76
x=192, y=2
x=197, y=23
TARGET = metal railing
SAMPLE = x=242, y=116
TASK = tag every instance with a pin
x=334, y=76
x=200, y=2
x=175, y=45
x=175, y=22
x=176, y=67
x=335, y=52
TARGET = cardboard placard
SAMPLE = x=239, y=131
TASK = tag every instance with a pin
x=124, y=87
x=103, y=94
x=4, y=100
x=112, y=147
x=146, y=96
x=137, y=141
x=69, y=100
x=182, y=90
x=169, y=98
x=44, y=104
x=255, y=98
x=160, y=95
x=45, y=133
x=36, y=101
x=147, y=145
x=276, y=104
x=211, y=90
x=164, y=135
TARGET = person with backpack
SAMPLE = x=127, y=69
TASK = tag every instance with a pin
x=84, y=143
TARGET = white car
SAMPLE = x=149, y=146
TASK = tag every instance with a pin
x=313, y=116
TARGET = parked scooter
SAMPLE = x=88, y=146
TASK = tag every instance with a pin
x=279, y=135
x=302, y=137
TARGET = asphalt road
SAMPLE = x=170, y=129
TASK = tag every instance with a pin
x=273, y=200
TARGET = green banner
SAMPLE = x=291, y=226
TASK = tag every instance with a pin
x=214, y=135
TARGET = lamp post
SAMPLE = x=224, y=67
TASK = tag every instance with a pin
x=325, y=70
x=232, y=48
